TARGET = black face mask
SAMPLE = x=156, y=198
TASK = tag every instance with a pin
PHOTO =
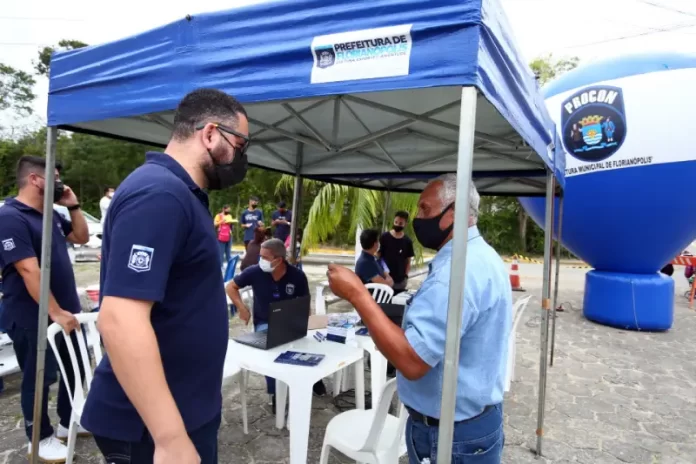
x=428, y=231
x=253, y=205
x=222, y=176
x=398, y=228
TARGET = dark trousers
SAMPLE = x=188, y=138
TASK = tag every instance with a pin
x=478, y=440
x=225, y=251
x=24, y=341
x=205, y=439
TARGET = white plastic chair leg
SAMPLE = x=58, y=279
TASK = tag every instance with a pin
x=281, y=401
x=72, y=439
x=325, y=452
x=243, y=379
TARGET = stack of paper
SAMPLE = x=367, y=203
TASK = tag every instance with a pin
x=341, y=328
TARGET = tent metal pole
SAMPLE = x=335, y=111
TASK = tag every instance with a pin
x=45, y=289
x=558, y=271
x=387, y=205
x=545, y=308
x=296, y=201
x=465, y=157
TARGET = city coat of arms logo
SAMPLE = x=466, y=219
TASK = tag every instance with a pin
x=325, y=56
x=593, y=121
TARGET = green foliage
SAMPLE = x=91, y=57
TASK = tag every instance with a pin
x=547, y=68
x=42, y=65
x=16, y=90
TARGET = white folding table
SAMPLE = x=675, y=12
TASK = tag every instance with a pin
x=300, y=380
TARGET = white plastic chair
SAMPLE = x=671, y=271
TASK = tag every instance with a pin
x=320, y=298
x=370, y=436
x=77, y=400
x=380, y=292
x=517, y=311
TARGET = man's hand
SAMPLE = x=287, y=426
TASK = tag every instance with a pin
x=69, y=198
x=66, y=320
x=344, y=283
x=177, y=451
x=244, y=314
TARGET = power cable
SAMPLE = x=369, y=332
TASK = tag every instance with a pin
x=673, y=28
x=668, y=8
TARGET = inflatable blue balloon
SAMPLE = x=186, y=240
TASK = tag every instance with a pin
x=630, y=201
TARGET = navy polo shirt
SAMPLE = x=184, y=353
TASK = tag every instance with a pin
x=266, y=290
x=159, y=245
x=20, y=238
x=253, y=218
x=367, y=268
x=282, y=230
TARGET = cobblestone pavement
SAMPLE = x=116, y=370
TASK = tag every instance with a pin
x=613, y=396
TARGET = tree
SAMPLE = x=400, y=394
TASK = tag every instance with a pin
x=43, y=64
x=16, y=90
x=547, y=68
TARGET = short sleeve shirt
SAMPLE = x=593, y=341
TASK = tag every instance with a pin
x=253, y=218
x=282, y=231
x=396, y=252
x=367, y=268
x=160, y=245
x=266, y=290
x=21, y=238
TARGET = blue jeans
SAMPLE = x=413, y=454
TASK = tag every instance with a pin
x=24, y=341
x=478, y=440
x=270, y=382
x=205, y=439
x=225, y=248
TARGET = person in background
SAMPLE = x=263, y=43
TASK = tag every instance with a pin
x=250, y=219
x=368, y=267
x=253, y=249
x=282, y=219
x=223, y=225
x=105, y=202
x=417, y=349
x=298, y=246
x=154, y=399
x=21, y=224
x=272, y=279
x=396, y=249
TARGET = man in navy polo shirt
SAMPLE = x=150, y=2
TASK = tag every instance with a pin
x=21, y=222
x=273, y=279
x=368, y=268
x=156, y=396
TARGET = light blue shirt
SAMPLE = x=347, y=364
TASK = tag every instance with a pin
x=486, y=322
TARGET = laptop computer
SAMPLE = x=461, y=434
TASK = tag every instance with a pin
x=395, y=312
x=287, y=322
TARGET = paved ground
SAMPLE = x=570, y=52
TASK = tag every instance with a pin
x=613, y=396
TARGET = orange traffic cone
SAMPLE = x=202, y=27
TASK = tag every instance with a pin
x=515, y=277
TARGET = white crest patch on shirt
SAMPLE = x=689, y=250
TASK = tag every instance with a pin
x=8, y=244
x=290, y=289
x=140, y=259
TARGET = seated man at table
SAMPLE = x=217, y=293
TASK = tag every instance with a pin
x=273, y=279
x=368, y=268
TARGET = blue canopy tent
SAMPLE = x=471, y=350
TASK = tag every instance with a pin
x=381, y=94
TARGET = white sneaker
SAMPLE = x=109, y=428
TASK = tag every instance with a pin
x=62, y=432
x=51, y=450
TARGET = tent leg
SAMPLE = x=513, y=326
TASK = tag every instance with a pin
x=545, y=308
x=387, y=205
x=465, y=155
x=296, y=202
x=45, y=288
x=558, y=271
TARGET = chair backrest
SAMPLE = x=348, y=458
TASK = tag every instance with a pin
x=380, y=292
x=88, y=324
x=517, y=310
x=231, y=268
x=247, y=294
x=380, y=417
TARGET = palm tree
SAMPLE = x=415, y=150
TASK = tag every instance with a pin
x=362, y=208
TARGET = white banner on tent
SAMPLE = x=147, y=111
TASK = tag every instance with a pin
x=632, y=121
x=365, y=54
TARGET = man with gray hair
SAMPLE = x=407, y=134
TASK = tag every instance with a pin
x=417, y=349
x=273, y=279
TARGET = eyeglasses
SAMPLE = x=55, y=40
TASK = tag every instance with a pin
x=224, y=129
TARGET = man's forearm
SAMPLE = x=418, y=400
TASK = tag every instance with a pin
x=388, y=337
x=135, y=357
x=79, y=226
x=32, y=281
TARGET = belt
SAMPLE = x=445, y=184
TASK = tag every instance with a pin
x=432, y=422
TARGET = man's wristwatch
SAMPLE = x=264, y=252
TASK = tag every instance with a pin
x=74, y=207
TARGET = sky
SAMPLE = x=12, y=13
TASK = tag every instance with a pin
x=588, y=29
